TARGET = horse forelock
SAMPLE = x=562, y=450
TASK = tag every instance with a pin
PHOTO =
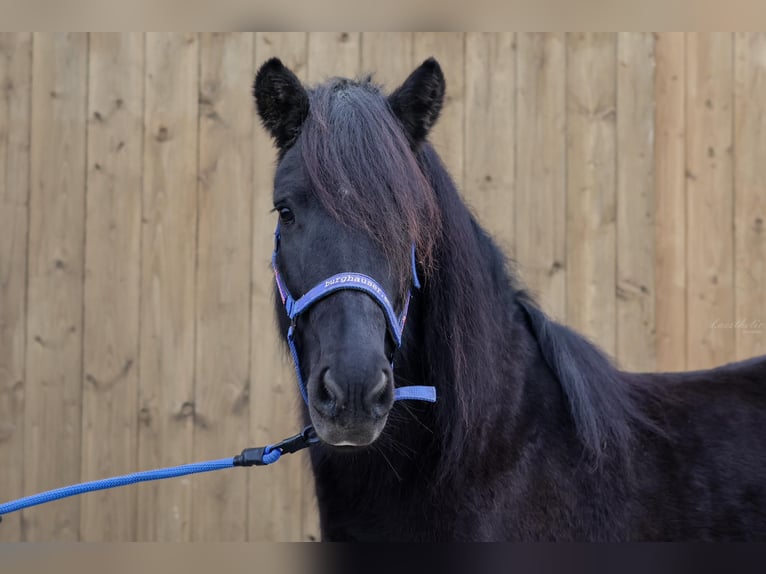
x=365, y=174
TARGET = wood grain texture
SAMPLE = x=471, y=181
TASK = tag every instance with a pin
x=15, y=72
x=447, y=136
x=168, y=258
x=540, y=211
x=709, y=200
x=489, y=134
x=53, y=405
x=222, y=390
x=591, y=205
x=286, y=512
x=636, y=347
x=333, y=54
x=388, y=57
x=750, y=194
x=112, y=281
x=670, y=200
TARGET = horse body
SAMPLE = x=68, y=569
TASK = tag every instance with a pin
x=535, y=434
x=707, y=480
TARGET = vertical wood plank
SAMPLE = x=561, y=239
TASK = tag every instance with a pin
x=591, y=210
x=222, y=390
x=541, y=168
x=447, y=136
x=489, y=162
x=750, y=194
x=333, y=54
x=388, y=57
x=635, y=202
x=670, y=200
x=168, y=254
x=55, y=294
x=709, y=200
x=112, y=280
x=275, y=398
x=15, y=72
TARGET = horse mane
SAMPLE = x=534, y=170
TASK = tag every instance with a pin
x=474, y=299
x=363, y=172
x=605, y=406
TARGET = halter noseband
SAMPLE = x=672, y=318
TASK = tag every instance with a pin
x=356, y=282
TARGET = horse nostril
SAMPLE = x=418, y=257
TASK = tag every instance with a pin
x=330, y=397
x=379, y=398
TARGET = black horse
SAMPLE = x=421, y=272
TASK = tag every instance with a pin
x=535, y=434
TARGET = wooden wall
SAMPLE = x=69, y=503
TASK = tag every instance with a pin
x=626, y=173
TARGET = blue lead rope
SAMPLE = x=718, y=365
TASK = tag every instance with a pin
x=249, y=457
x=114, y=482
x=259, y=456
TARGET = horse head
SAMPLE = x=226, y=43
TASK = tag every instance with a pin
x=356, y=218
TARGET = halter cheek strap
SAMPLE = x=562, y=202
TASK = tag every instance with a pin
x=356, y=282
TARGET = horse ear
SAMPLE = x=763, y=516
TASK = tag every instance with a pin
x=418, y=101
x=281, y=100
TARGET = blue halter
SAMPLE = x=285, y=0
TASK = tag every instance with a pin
x=357, y=282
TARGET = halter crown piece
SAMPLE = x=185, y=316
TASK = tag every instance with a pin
x=356, y=282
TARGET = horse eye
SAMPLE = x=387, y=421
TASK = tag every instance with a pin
x=286, y=215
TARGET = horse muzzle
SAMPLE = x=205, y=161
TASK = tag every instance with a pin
x=351, y=398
